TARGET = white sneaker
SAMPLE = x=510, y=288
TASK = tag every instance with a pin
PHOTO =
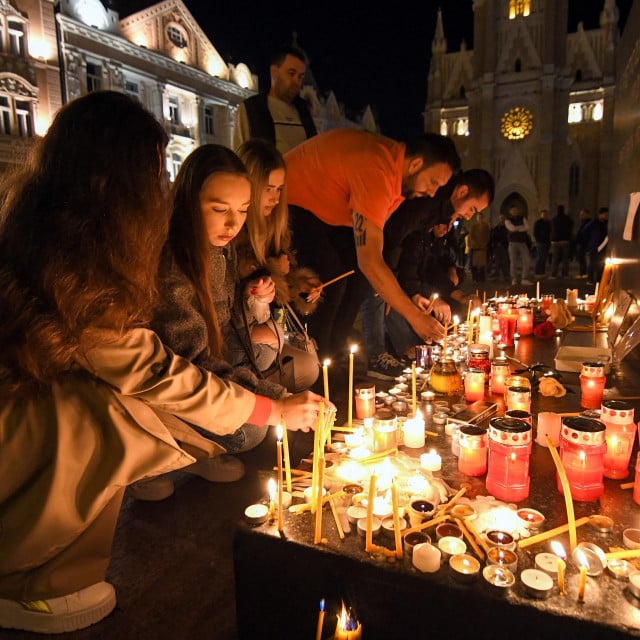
x=526, y=282
x=223, y=468
x=59, y=615
x=153, y=489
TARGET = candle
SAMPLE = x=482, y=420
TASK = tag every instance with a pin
x=472, y=460
x=347, y=627
x=413, y=430
x=532, y=519
x=352, y=350
x=320, y=617
x=549, y=425
x=502, y=539
x=617, y=418
x=503, y=557
x=558, y=549
x=465, y=567
x=365, y=396
x=317, y=538
x=500, y=578
x=474, y=385
x=538, y=290
x=524, y=323
x=414, y=398
x=372, y=493
x=287, y=458
x=540, y=537
x=582, y=582
x=518, y=399
x=426, y=558
x=537, y=584
x=566, y=490
x=272, y=487
x=256, y=513
x=396, y=520
x=431, y=461
x=325, y=378
x=507, y=322
x=499, y=371
x=280, y=477
x=592, y=381
x=469, y=312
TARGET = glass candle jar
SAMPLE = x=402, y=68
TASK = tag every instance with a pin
x=472, y=458
x=508, y=464
x=582, y=448
x=507, y=328
x=474, y=385
x=524, y=323
x=545, y=303
x=365, y=400
x=617, y=418
x=636, y=484
x=385, y=430
x=515, y=380
x=445, y=377
x=479, y=358
x=499, y=371
x=518, y=414
x=592, y=381
x=518, y=398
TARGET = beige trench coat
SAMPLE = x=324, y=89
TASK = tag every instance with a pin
x=67, y=455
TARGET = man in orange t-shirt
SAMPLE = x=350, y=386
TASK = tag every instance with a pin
x=342, y=186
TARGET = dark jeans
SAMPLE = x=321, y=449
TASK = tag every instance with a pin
x=329, y=251
x=581, y=258
x=596, y=266
x=560, y=253
x=541, y=259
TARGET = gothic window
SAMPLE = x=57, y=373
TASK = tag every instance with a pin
x=177, y=36
x=94, y=77
x=5, y=116
x=516, y=124
x=574, y=179
x=208, y=121
x=16, y=37
x=518, y=65
x=174, y=110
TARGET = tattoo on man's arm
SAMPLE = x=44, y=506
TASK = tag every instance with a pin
x=359, y=229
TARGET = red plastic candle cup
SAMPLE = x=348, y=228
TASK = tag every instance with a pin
x=636, y=484
x=509, y=454
x=591, y=391
x=365, y=400
x=545, y=303
x=507, y=328
x=474, y=385
x=617, y=418
x=582, y=448
x=524, y=324
x=479, y=358
x=472, y=459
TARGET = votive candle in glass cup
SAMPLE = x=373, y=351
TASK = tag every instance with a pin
x=499, y=371
x=474, y=385
x=515, y=380
x=617, y=417
x=507, y=328
x=582, y=448
x=592, y=381
x=365, y=400
x=545, y=303
x=472, y=459
x=385, y=430
x=524, y=324
x=518, y=398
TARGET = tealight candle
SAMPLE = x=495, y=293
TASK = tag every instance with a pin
x=503, y=557
x=537, y=584
x=464, y=567
x=413, y=539
x=426, y=558
x=388, y=530
x=448, y=529
x=376, y=523
x=355, y=513
x=431, y=461
x=547, y=562
x=634, y=583
x=501, y=539
x=531, y=518
x=414, y=436
x=451, y=546
x=420, y=511
x=256, y=513
x=620, y=569
x=500, y=578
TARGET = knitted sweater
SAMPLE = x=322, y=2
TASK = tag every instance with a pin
x=179, y=322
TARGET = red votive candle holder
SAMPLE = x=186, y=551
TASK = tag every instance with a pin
x=499, y=371
x=582, y=449
x=507, y=328
x=636, y=484
x=509, y=453
x=617, y=418
x=592, y=381
x=365, y=400
x=474, y=385
x=472, y=458
x=524, y=324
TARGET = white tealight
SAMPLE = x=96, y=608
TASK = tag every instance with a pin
x=256, y=513
x=431, y=461
x=426, y=558
x=547, y=562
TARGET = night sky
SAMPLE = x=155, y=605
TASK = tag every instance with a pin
x=364, y=55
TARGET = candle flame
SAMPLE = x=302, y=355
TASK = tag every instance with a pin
x=583, y=563
x=272, y=488
x=354, y=348
x=279, y=432
x=326, y=363
x=322, y=604
x=558, y=549
x=456, y=320
x=346, y=619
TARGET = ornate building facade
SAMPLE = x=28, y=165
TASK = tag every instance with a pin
x=52, y=51
x=531, y=103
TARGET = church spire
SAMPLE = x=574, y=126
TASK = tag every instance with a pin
x=439, y=44
x=609, y=22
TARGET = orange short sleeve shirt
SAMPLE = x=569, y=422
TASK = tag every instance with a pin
x=346, y=170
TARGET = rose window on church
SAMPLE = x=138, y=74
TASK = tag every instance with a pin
x=516, y=124
x=177, y=36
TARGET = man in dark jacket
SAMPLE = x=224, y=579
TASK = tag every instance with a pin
x=584, y=218
x=280, y=116
x=597, y=239
x=561, y=228
x=542, y=236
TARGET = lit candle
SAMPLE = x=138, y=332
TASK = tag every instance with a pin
x=582, y=582
x=444, y=342
x=413, y=388
x=431, y=461
x=287, y=459
x=413, y=430
x=397, y=532
x=558, y=549
x=474, y=385
x=456, y=322
x=538, y=290
x=347, y=628
x=320, y=617
x=372, y=493
x=469, y=312
x=353, y=349
x=280, y=478
x=325, y=378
